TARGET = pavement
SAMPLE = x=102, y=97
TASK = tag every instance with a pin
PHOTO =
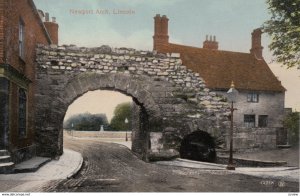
x=36, y=172
x=39, y=170
x=282, y=173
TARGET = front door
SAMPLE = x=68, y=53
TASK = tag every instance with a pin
x=4, y=110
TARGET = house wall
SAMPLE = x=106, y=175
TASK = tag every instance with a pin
x=271, y=104
x=20, y=71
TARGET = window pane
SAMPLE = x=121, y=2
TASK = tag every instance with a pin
x=249, y=121
x=252, y=97
x=249, y=97
x=21, y=38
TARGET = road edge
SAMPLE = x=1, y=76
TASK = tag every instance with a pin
x=79, y=166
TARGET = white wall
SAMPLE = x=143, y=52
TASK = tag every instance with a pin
x=270, y=103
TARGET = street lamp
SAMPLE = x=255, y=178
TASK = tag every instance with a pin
x=126, y=122
x=72, y=130
x=232, y=95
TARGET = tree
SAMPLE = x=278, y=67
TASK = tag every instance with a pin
x=86, y=122
x=291, y=123
x=284, y=28
x=121, y=112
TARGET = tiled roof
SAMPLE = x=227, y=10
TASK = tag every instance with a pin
x=218, y=68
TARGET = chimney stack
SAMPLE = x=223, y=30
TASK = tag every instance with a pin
x=160, y=31
x=211, y=44
x=256, y=48
x=46, y=17
x=42, y=15
x=52, y=28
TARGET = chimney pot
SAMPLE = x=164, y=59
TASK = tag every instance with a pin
x=47, y=17
x=54, y=19
x=41, y=14
x=211, y=44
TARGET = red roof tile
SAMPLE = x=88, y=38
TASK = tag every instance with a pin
x=218, y=68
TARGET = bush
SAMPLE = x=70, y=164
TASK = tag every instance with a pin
x=291, y=123
x=86, y=122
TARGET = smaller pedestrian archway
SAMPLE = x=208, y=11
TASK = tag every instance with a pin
x=198, y=146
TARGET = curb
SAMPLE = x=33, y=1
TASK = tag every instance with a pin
x=78, y=168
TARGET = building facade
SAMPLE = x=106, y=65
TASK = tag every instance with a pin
x=22, y=27
x=260, y=102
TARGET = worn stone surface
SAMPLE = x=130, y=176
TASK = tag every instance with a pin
x=171, y=99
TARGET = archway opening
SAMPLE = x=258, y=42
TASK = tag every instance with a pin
x=198, y=146
x=108, y=116
x=101, y=115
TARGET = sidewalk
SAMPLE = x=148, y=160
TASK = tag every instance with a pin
x=282, y=173
x=67, y=166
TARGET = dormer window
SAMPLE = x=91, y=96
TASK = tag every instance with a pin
x=21, y=38
x=252, y=97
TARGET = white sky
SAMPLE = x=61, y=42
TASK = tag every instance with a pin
x=232, y=21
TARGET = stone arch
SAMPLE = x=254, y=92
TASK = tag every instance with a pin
x=133, y=86
x=50, y=134
x=174, y=99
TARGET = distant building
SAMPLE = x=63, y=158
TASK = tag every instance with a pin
x=260, y=104
x=22, y=27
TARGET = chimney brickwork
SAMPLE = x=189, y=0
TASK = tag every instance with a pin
x=211, y=43
x=160, y=31
x=256, y=48
x=52, y=28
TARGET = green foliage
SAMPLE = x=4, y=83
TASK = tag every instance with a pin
x=291, y=122
x=121, y=112
x=284, y=28
x=86, y=122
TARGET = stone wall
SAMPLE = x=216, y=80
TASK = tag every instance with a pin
x=174, y=100
x=251, y=139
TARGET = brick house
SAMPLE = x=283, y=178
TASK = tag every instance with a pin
x=22, y=27
x=260, y=102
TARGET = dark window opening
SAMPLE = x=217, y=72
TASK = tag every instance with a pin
x=263, y=121
x=252, y=97
x=249, y=121
x=22, y=112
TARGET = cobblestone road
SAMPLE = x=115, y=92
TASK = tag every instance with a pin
x=112, y=167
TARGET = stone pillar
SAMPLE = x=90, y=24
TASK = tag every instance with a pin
x=140, y=131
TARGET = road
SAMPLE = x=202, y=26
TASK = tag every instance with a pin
x=110, y=167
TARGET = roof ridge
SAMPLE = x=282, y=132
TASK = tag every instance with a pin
x=198, y=48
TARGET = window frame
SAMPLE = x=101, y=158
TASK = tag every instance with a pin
x=247, y=122
x=264, y=120
x=21, y=39
x=253, y=97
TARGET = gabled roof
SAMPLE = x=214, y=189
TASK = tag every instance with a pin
x=218, y=68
